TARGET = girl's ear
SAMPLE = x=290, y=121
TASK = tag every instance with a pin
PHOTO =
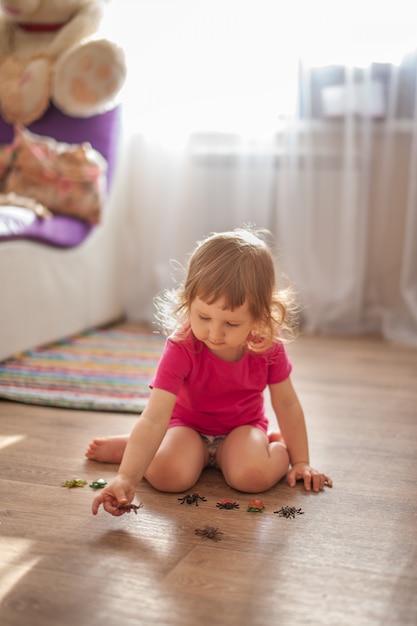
x=255, y=332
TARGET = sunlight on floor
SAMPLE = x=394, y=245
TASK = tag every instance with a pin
x=9, y=441
x=14, y=564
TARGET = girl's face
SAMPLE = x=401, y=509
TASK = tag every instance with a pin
x=223, y=331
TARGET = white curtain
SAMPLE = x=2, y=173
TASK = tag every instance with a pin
x=301, y=120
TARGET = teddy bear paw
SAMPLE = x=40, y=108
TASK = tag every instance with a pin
x=88, y=78
x=24, y=88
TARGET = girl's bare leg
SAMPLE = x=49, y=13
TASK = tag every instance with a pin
x=176, y=466
x=250, y=462
x=107, y=449
x=179, y=461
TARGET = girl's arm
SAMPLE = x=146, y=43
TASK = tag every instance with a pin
x=290, y=417
x=141, y=448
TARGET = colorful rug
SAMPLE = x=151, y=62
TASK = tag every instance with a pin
x=99, y=370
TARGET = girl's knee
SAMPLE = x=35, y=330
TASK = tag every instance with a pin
x=249, y=478
x=172, y=478
x=258, y=472
x=170, y=485
x=172, y=474
x=179, y=461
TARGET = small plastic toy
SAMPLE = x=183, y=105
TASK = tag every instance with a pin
x=192, y=498
x=227, y=504
x=209, y=532
x=255, y=506
x=130, y=507
x=289, y=511
x=74, y=482
x=98, y=484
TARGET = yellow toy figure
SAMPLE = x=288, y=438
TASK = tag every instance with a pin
x=50, y=51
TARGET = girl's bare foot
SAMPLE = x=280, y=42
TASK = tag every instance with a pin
x=275, y=436
x=107, y=449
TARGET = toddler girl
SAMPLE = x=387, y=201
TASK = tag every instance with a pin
x=227, y=324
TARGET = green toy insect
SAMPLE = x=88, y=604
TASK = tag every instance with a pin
x=74, y=482
x=98, y=484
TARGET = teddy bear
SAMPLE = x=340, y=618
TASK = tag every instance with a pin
x=50, y=51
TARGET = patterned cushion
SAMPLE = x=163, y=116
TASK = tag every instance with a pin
x=101, y=132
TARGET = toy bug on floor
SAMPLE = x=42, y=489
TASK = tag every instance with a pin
x=289, y=511
x=98, y=484
x=74, y=482
x=227, y=504
x=192, y=498
x=209, y=532
x=255, y=506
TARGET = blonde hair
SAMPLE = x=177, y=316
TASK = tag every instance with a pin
x=239, y=267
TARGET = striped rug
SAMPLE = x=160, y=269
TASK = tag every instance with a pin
x=99, y=370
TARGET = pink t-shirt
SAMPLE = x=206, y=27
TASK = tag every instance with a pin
x=215, y=396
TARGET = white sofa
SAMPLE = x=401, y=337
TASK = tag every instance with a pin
x=49, y=293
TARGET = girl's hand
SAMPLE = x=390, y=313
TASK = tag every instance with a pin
x=312, y=478
x=119, y=491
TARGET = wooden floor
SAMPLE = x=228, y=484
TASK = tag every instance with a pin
x=350, y=559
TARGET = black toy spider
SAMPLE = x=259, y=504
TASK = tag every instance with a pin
x=227, y=504
x=192, y=498
x=289, y=511
x=209, y=532
x=130, y=507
